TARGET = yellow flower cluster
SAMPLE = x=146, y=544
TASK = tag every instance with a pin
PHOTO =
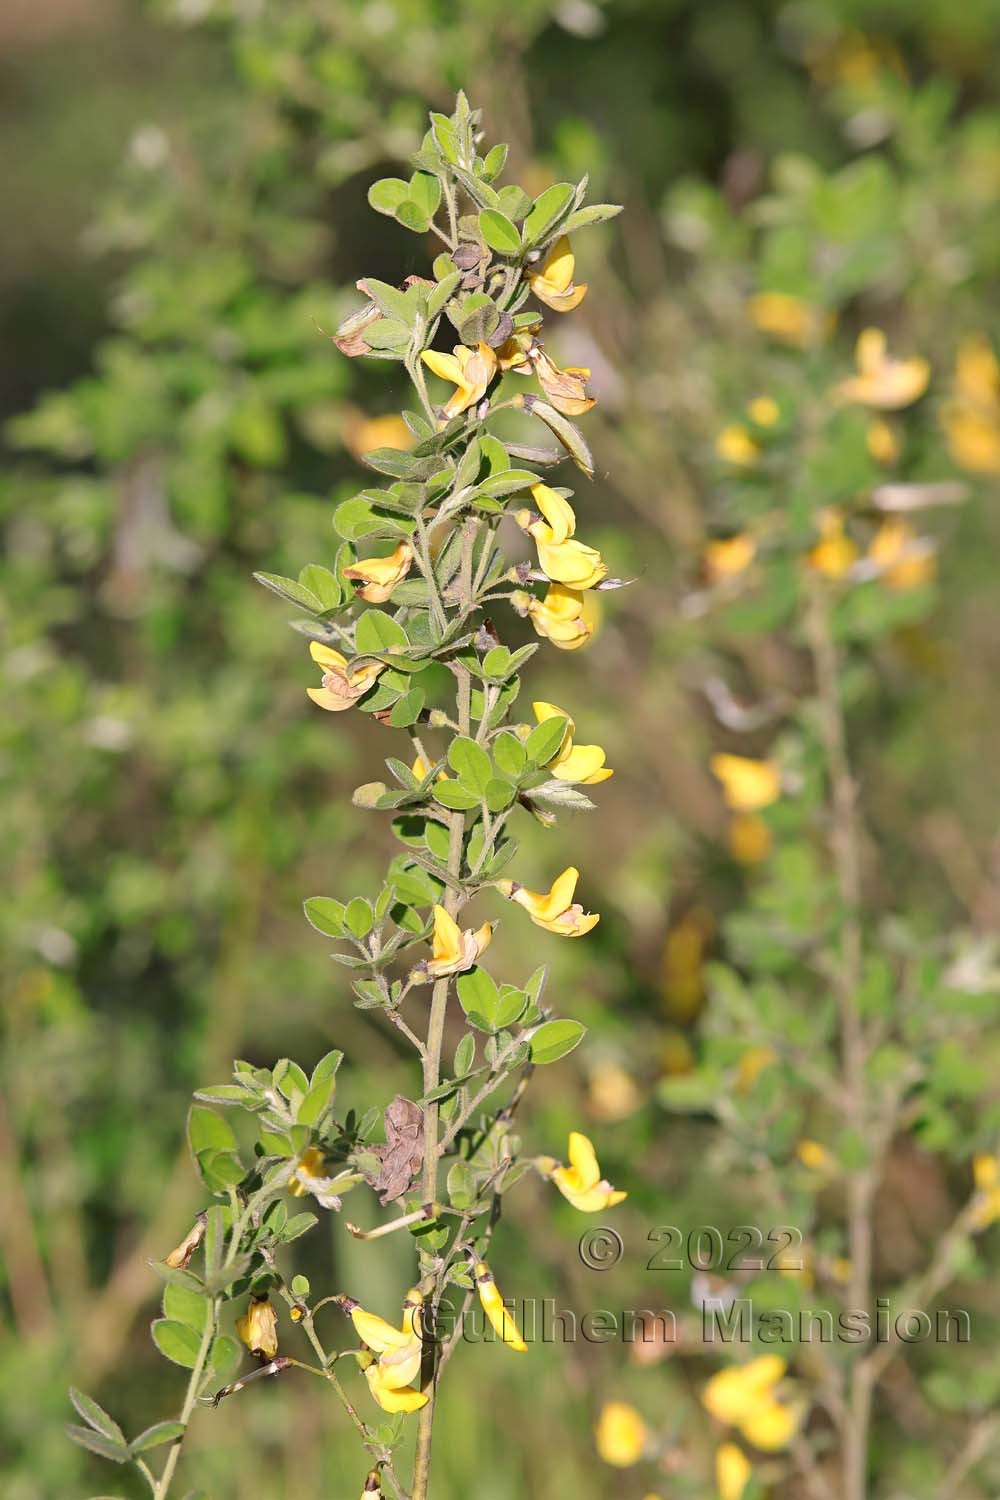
x=745, y=1397
x=392, y=1356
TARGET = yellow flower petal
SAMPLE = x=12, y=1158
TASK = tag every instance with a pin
x=621, y=1434
x=747, y=785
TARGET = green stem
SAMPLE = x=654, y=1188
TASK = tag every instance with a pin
x=190, y=1398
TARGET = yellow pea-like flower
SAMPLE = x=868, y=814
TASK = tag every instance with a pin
x=341, y=689
x=748, y=785
x=772, y=1425
x=815, y=1156
x=581, y=1182
x=972, y=419
x=452, y=950
x=764, y=411
x=986, y=1176
x=258, y=1328
x=391, y=1398
x=310, y=1164
x=883, y=442
x=750, y=838
x=582, y=764
x=752, y=1064
x=732, y=1395
x=732, y=1472
x=470, y=371
x=378, y=576
x=552, y=280
x=621, y=1436
x=567, y=617
x=562, y=559
x=362, y=434
x=554, y=909
x=727, y=557
x=883, y=381
x=502, y=1323
x=399, y=1350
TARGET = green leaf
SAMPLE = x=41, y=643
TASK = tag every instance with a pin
x=445, y=138
x=359, y=917
x=226, y=1356
x=297, y=1225
x=499, y=794
x=326, y=1067
x=413, y=217
x=571, y=437
x=184, y=1306
x=514, y=201
x=377, y=633
x=506, y=481
x=296, y=593
x=478, y=997
x=512, y=1003
x=595, y=213
x=545, y=739
x=316, y=1102
x=442, y=292
x=499, y=233
x=176, y=1342
x=508, y=751
x=554, y=1039
x=461, y=1185
x=549, y=208
x=387, y=194
x=326, y=915
x=156, y=1436
x=407, y=710
x=494, y=162
x=208, y=1131
x=425, y=192
x=323, y=584
x=455, y=797
x=471, y=764
x=95, y=1416
x=465, y=1055
x=97, y=1443
x=391, y=301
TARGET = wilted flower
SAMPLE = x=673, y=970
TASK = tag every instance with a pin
x=555, y=909
x=560, y=557
x=180, y=1257
x=469, y=371
x=567, y=617
x=501, y=1321
x=883, y=381
x=552, y=280
x=747, y=785
x=258, y=1328
x=341, y=689
x=581, y=1182
x=621, y=1434
x=378, y=576
x=566, y=389
x=583, y=764
x=454, y=951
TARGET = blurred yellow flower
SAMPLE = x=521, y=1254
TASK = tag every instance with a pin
x=258, y=1328
x=501, y=1321
x=750, y=839
x=986, y=1176
x=728, y=557
x=621, y=1434
x=560, y=558
x=736, y=446
x=752, y=1064
x=747, y=784
x=744, y=1397
x=378, y=576
x=452, y=950
x=788, y=319
x=764, y=411
x=905, y=561
x=566, y=389
x=420, y=769
x=732, y=1472
x=676, y=1053
x=363, y=434
x=567, y=617
x=835, y=553
x=683, y=963
x=612, y=1092
x=341, y=689
x=883, y=442
x=972, y=418
x=555, y=909
x=883, y=381
x=469, y=371
x=583, y=764
x=552, y=280
x=581, y=1182
x=815, y=1156
x=310, y=1164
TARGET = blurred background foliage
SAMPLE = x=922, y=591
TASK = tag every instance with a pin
x=184, y=188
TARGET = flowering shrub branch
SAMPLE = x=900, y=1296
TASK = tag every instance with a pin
x=398, y=629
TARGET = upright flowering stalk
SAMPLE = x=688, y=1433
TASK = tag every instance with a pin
x=401, y=626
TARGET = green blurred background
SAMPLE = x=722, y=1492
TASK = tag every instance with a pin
x=184, y=206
